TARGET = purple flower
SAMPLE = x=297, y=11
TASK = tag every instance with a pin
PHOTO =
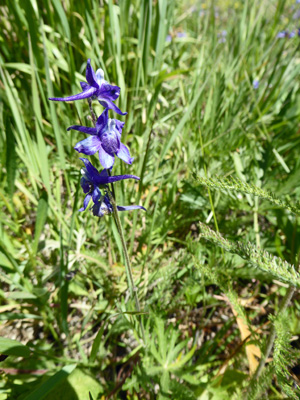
x=292, y=34
x=255, y=84
x=92, y=180
x=104, y=207
x=222, y=36
x=96, y=88
x=282, y=34
x=181, y=35
x=105, y=138
x=168, y=38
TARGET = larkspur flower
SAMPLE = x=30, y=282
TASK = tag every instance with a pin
x=105, y=138
x=282, y=34
x=92, y=180
x=104, y=207
x=96, y=88
x=255, y=84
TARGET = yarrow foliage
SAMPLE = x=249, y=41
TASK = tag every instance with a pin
x=105, y=138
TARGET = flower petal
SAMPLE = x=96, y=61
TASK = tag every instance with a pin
x=88, y=146
x=102, y=121
x=85, y=185
x=119, y=125
x=103, y=173
x=117, y=178
x=83, y=95
x=97, y=212
x=84, y=85
x=90, y=75
x=107, y=103
x=86, y=202
x=129, y=208
x=96, y=194
x=84, y=129
x=100, y=77
x=110, y=91
x=123, y=154
x=105, y=159
x=93, y=173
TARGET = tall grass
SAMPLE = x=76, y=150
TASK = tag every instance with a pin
x=192, y=109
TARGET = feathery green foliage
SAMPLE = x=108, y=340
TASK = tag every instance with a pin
x=275, y=266
x=235, y=184
x=284, y=357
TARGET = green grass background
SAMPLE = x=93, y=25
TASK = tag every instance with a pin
x=192, y=108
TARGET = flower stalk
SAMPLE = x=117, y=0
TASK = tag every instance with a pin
x=104, y=138
x=132, y=287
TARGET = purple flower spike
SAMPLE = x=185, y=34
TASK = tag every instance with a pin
x=92, y=180
x=96, y=88
x=105, y=138
x=104, y=207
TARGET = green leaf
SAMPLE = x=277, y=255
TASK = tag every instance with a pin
x=96, y=343
x=11, y=158
x=11, y=347
x=235, y=184
x=78, y=385
x=275, y=266
x=41, y=218
x=45, y=388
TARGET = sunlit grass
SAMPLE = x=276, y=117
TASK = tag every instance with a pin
x=64, y=287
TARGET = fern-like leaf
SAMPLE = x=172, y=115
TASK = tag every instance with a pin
x=281, y=270
x=235, y=184
x=284, y=357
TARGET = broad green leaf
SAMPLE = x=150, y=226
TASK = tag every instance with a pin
x=50, y=384
x=11, y=347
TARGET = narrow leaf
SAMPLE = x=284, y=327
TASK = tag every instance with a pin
x=41, y=218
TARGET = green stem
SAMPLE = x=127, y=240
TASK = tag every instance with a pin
x=256, y=224
x=94, y=118
x=132, y=287
x=112, y=198
x=208, y=189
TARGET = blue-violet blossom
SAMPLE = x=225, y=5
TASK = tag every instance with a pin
x=104, y=207
x=92, y=180
x=105, y=138
x=282, y=34
x=96, y=88
x=255, y=84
